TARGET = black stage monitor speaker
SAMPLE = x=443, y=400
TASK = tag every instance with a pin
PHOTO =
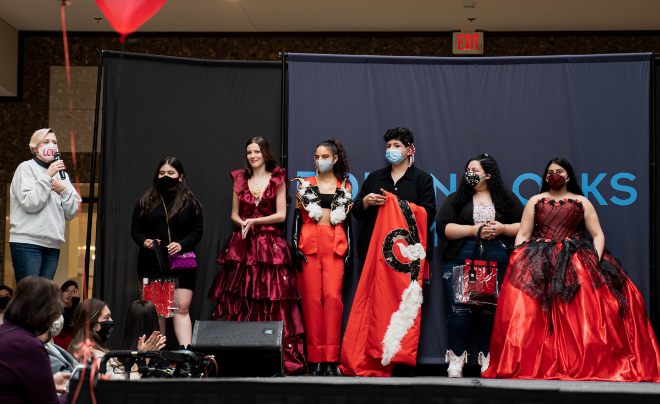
x=241, y=348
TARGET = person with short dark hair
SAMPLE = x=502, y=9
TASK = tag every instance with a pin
x=24, y=364
x=567, y=310
x=170, y=213
x=5, y=296
x=402, y=178
x=71, y=298
x=400, y=185
x=481, y=202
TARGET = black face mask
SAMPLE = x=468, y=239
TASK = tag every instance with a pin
x=167, y=182
x=106, y=330
x=4, y=301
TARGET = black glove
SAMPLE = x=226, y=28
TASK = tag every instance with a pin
x=298, y=255
x=348, y=260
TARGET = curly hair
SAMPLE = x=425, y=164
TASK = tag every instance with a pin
x=404, y=135
x=571, y=185
x=501, y=198
x=341, y=167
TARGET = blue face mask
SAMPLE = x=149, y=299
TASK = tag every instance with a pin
x=393, y=156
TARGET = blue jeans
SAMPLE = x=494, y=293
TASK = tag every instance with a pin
x=31, y=259
x=462, y=319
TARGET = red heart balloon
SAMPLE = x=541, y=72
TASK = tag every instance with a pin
x=126, y=16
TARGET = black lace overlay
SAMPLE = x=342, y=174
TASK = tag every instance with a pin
x=546, y=270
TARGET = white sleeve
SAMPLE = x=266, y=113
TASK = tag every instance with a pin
x=70, y=200
x=31, y=193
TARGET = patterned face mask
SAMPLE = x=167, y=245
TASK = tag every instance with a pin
x=555, y=181
x=472, y=179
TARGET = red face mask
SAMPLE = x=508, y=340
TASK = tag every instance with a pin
x=555, y=181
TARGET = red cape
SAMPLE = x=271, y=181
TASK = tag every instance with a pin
x=379, y=293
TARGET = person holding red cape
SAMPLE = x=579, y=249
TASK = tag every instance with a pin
x=567, y=310
x=397, y=206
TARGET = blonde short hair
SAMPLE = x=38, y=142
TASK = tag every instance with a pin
x=38, y=136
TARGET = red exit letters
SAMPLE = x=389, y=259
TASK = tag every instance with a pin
x=468, y=43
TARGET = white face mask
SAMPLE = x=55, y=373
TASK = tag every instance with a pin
x=323, y=166
x=48, y=152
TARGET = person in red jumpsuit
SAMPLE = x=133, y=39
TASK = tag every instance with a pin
x=322, y=252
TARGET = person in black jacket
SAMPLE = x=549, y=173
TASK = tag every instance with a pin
x=483, y=202
x=402, y=179
x=170, y=194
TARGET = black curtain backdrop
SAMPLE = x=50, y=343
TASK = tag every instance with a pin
x=592, y=110
x=200, y=111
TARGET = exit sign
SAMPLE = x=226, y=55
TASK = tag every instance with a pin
x=466, y=43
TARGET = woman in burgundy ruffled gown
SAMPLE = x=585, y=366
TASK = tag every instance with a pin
x=567, y=310
x=257, y=281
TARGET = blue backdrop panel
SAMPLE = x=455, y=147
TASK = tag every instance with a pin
x=592, y=110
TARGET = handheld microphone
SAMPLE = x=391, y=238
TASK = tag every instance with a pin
x=58, y=157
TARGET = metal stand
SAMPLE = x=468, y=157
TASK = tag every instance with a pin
x=654, y=279
x=92, y=176
x=284, y=137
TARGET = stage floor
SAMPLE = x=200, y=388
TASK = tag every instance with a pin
x=358, y=390
x=558, y=385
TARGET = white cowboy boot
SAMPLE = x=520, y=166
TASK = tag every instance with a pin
x=484, y=361
x=456, y=363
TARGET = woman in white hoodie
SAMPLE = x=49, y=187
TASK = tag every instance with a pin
x=40, y=203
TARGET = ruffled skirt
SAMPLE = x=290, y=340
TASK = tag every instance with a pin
x=257, y=283
x=588, y=323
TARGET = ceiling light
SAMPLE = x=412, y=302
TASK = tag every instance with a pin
x=469, y=3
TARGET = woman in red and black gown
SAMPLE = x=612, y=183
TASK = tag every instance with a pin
x=567, y=310
x=257, y=281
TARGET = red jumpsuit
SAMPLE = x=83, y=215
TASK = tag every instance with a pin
x=321, y=282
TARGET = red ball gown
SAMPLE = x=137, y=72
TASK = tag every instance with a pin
x=564, y=315
x=257, y=281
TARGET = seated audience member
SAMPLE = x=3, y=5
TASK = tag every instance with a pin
x=141, y=330
x=24, y=364
x=5, y=295
x=100, y=327
x=71, y=298
x=60, y=359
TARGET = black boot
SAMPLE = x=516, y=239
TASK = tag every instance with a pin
x=331, y=369
x=315, y=369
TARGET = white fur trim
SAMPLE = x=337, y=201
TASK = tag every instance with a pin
x=412, y=252
x=337, y=215
x=315, y=211
x=401, y=321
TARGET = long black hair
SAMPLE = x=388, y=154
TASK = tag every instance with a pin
x=142, y=319
x=501, y=198
x=182, y=195
x=571, y=185
x=341, y=168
